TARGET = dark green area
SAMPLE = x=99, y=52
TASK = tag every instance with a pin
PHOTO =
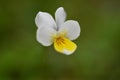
x=96, y=58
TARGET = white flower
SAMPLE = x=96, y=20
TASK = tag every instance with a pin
x=58, y=31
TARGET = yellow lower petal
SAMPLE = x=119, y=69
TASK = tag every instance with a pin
x=64, y=45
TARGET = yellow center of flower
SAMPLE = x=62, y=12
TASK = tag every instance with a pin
x=64, y=45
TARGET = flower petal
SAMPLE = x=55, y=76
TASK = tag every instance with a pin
x=60, y=16
x=45, y=35
x=71, y=28
x=45, y=19
x=65, y=46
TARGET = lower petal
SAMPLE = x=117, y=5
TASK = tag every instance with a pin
x=64, y=45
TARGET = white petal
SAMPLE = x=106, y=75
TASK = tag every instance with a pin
x=45, y=35
x=60, y=16
x=71, y=28
x=44, y=19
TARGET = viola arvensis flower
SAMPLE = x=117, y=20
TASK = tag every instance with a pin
x=58, y=31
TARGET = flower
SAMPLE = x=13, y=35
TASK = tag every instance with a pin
x=58, y=31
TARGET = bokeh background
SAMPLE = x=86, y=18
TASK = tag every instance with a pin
x=96, y=58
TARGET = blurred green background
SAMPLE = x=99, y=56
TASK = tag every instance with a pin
x=96, y=58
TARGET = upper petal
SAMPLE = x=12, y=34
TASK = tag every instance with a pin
x=60, y=16
x=45, y=35
x=71, y=28
x=44, y=19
